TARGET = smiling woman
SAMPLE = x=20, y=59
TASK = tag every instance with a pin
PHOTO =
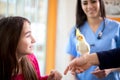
x=99, y=32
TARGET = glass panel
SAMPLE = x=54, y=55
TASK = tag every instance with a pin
x=3, y=8
x=20, y=7
x=42, y=11
x=11, y=7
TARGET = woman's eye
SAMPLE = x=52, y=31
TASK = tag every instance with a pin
x=85, y=3
x=94, y=1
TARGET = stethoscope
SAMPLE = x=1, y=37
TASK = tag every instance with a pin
x=101, y=32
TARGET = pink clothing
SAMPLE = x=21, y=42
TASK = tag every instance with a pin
x=35, y=64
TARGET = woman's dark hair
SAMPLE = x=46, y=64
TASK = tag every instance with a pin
x=10, y=31
x=81, y=16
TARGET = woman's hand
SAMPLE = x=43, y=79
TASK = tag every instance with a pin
x=77, y=65
x=80, y=64
x=101, y=73
x=54, y=75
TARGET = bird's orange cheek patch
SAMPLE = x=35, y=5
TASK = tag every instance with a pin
x=80, y=37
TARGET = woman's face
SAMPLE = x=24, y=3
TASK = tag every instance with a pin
x=25, y=44
x=91, y=8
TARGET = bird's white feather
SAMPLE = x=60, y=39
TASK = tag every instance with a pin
x=82, y=45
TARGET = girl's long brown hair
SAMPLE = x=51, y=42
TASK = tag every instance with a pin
x=10, y=31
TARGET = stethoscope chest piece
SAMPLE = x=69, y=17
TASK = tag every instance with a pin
x=101, y=32
x=99, y=35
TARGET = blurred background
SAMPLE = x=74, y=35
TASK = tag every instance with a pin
x=51, y=22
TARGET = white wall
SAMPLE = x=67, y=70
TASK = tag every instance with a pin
x=65, y=21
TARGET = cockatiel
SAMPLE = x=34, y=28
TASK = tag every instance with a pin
x=82, y=46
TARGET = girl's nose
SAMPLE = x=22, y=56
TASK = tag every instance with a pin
x=33, y=39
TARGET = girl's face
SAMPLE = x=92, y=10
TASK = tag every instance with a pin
x=91, y=8
x=25, y=44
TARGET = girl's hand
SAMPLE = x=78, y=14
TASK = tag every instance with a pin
x=54, y=75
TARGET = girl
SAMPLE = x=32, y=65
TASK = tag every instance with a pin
x=16, y=47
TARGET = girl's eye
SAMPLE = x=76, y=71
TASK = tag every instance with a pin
x=28, y=35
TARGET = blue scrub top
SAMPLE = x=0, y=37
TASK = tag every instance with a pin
x=110, y=39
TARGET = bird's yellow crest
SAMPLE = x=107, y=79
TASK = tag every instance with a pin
x=79, y=35
x=77, y=32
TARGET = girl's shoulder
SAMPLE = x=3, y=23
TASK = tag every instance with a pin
x=31, y=56
x=35, y=64
x=33, y=59
x=18, y=77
